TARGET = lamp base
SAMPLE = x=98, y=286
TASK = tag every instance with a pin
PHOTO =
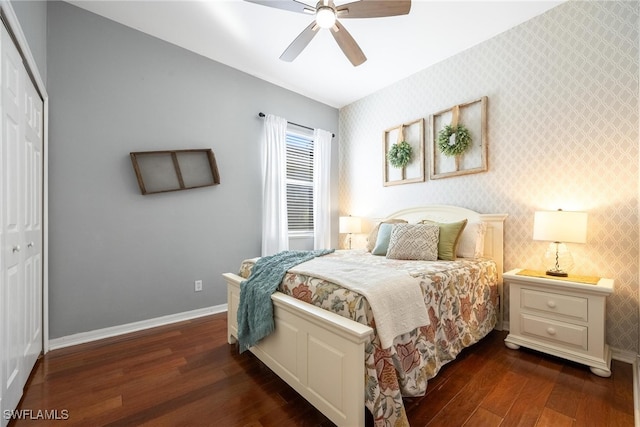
x=558, y=260
x=557, y=273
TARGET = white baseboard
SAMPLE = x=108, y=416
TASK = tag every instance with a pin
x=636, y=392
x=624, y=355
x=84, y=337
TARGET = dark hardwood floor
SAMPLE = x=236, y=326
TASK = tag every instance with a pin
x=186, y=374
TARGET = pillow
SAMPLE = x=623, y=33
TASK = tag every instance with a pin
x=414, y=241
x=373, y=236
x=471, y=244
x=382, y=242
x=449, y=237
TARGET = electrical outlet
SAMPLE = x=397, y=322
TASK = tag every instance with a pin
x=198, y=285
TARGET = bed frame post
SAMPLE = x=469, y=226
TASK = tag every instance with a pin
x=494, y=249
x=318, y=353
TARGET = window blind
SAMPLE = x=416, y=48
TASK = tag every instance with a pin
x=300, y=182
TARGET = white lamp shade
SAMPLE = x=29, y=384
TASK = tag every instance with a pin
x=560, y=226
x=350, y=224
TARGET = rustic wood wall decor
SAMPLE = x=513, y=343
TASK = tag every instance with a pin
x=414, y=171
x=174, y=170
x=473, y=115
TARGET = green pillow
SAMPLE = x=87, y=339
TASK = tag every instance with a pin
x=382, y=241
x=448, y=239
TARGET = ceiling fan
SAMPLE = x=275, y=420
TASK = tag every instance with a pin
x=326, y=16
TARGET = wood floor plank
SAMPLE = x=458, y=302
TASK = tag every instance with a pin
x=622, y=377
x=483, y=418
x=187, y=374
x=568, y=390
x=593, y=408
x=458, y=409
x=531, y=401
x=422, y=412
x=504, y=394
x=551, y=418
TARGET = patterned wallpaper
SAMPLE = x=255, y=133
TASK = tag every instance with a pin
x=563, y=127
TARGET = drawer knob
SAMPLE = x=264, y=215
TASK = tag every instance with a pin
x=551, y=304
x=551, y=331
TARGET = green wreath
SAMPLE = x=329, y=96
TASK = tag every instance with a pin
x=462, y=140
x=400, y=154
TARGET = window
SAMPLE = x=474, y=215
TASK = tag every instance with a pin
x=300, y=182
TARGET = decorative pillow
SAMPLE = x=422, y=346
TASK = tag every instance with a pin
x=382, y=242
x=373, y=236
x=414, y=241
x=471, y=244
x=449, y=237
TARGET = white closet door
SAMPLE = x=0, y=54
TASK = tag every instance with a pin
x=21, y=272
x=32, y=146
x=13, y=292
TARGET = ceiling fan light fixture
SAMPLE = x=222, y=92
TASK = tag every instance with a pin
x=325, y=17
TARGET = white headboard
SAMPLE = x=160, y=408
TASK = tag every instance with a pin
x=493, y=240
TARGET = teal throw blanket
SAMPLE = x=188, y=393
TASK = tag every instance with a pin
x=255, y=312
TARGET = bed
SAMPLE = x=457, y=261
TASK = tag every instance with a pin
x=326, y=344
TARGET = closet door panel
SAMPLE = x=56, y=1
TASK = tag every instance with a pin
x=14, y=293
x=13, y=165
x=12, y=137
x=11, y=366
x=21, y=113
x=32, y=226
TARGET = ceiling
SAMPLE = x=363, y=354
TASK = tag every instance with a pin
x=251, y=38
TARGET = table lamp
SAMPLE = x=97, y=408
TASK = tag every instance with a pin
x=559, y=227
x=349, y=225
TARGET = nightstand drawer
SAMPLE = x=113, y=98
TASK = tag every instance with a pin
x=564, y=333
x=567, y=306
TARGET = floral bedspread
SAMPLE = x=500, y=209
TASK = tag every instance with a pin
x=461, y=298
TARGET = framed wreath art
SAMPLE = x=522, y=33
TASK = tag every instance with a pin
x=454, y=140
x=403, y=153
x=400, y=154
x=459, y=140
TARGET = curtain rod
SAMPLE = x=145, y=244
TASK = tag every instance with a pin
x=261, y=115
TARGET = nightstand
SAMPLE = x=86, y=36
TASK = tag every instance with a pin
x=562, y=317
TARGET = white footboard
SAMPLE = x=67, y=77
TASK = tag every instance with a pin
x=318, y=353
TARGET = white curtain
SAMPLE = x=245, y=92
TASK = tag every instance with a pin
x=322, y=189
x=275, y=236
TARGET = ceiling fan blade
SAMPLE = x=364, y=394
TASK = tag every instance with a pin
x=300, y=42
x=290, y=5
x=374, y=8
x=348, y=44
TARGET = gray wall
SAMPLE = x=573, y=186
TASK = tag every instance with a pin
x=117, y=256
x=32, y=15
